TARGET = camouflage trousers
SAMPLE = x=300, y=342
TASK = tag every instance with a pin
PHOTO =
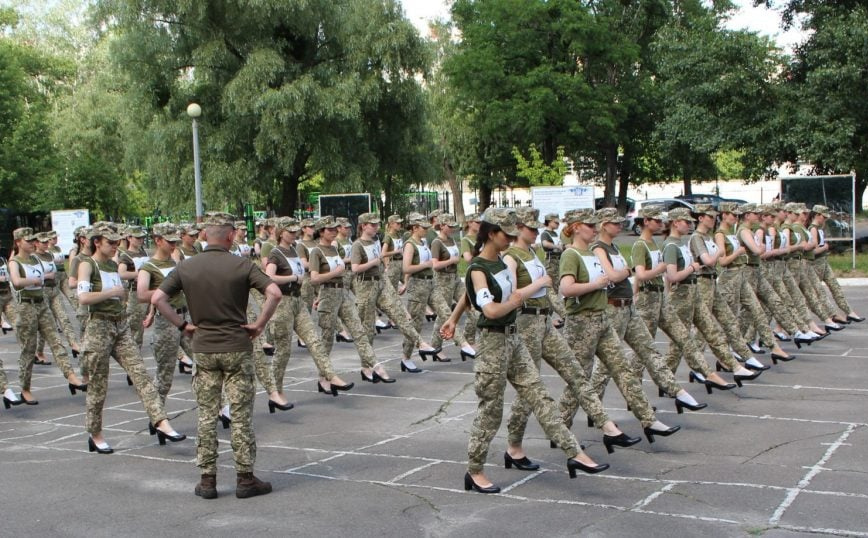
x=33, y=319
x=765, y=292
x=167, y=342
x=822, y=307
x=394, y=273
x=656, y=310
x=449, y=288
x=632, y=330
x=259, y=299
x=229, y=375
x=308, y=292
x=775, y=296
x=708, y=292
x=812, y=302
x=335, y=305
x=794, y=292
x=696, y=312
x=590, y=333
x=372, y=295
x=738, y=286
x=420, y=293
x=292, y=315
x=55, y=304
x=544, y=342
x=503, y=358
x=553, y=269
x=825, y=274
x=107, y=337
x=69, y=293
x=7, y=307
x=136, y=313
x=260, y=362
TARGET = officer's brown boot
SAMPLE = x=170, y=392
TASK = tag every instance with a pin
x=207, y=487
x=250, y=486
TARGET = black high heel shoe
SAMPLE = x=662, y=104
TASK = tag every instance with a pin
x=651, y=432
x=303, y=346
x=73, y=387
x=5, y=330
x=623, y=440
x=91, y=446
x=836, y=327
x=430, y=317
x=163, y=436
x=184, y=368
x=438, y=358
x=680, y=406
x=269, y=351
x=709, y=384
x=840, y=321
x=694, y=377
x=371, y=379
x=721, y=368
x=41, y=362
x=738, y=378
x=857, y=319
x=129, y=381
x=573, y=465
x=405, y=368
x=24, y=400
x=522, y=464
x=757, y=350
x=75, y=353
x=377, y=378
x=7, y=403
x=151, y=429
x=272, y=405
x=226, y=421
x=776, y=358
x=470, y=484
x=466, y=355
x=425, y=353
x=333, y=390
x=341, y=338
x=660, y=393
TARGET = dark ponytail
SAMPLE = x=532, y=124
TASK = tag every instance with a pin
x=485, y=231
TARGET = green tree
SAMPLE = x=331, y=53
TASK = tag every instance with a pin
x=536, y=171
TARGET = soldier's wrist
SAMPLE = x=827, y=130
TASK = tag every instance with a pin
x=182, y=326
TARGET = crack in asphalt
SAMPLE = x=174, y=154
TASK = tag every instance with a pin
x=443, y=407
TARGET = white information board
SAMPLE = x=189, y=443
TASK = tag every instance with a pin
x=64, y=222
x=561, y=199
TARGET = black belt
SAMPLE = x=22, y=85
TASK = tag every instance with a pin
x=108, y=317
x=429, y=277
x=505, y=329
x=752, y=264
x=447, y=272
x=536, y=311
x=180, y=311
x=688, y=280
x=651, y=287
x=705, y=276
x=332, y=284
x=620, y=301
x=31, y=300
x=368, y=277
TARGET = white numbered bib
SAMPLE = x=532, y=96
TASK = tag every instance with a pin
x=33, y=271
x=618, y=262
x=334, y=262
x=593, y=267
x=711, y=247
x=372, y=251
x=58, y=259
x=685, y=253
x=656, y=258
x=165, y=271
x=785, y=240
x=453, y=251
x=797, y=237
x=139, y=261
x=770, y=242
x=504, y=280
x=757, y=236
x=110, y=280
x=536, y=270
x=822, y=235
x=424, y=253
x=398, y=242
x=733, y=241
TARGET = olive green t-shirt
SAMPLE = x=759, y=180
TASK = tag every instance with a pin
x=421, y=253
x=133, y=261
x=529, y=268
x=31, y=267
x=287, y=263
x=752, y=259
x=731, y=243
x=186, y=252
x=649, y=256
x=500, y=287
x=265, y=250
x=104, y=276
x=395, y=245
x=617, y=290
x=700, y=244
x=47, y=259
x=442, y=250
x=676, y=252
x=159, y=270
x=364, y=251
x=584, y=267
x=465, y=245
x=325, y=259
x=805, y=237
x=821, y=240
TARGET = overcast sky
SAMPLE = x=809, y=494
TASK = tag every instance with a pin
x=758, y=19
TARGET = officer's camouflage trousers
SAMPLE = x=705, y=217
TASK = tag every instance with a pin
x=372, y=295
x=230, y=374
x=292, y=315
x=55, y=304
x=335, y=305
x=545, y=342
x=657, y=311
x=825, y=274
x=112, y=337
x=33, y=319
x=590, y=333
x=449, y=288
x=632, y=330
x=503, y=358
x=167, y=343
x=694, y=312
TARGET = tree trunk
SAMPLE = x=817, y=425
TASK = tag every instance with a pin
x=861, y=183
x=687, y=188
x=624, y=181
x=386, y=209
x=484, y=197
x=611, y=175
x=455, y=188
x=289, y=187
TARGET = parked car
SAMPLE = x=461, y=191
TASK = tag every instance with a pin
x=667, y=204
x=713, y=199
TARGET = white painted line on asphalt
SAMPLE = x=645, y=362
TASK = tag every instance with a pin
x=806, y=480
x=813, y=530
x=650, y=498
x=524, y=480
x=847, y=352
x=413, y=471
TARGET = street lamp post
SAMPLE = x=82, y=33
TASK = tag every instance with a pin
x=194, y=111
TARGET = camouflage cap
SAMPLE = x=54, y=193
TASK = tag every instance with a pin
x=795, y=207
x=395, y=218
x=269, y=223
x=609, y=214
x=103, y=224
x=821, y=210
x=552, y=216
x=343, y=221
x=651, y=212
x=26, y=234
x=448, y=219
x=705, y=209
x=308, y=223
x=79, y=231
x=216, y=218
x=528, y=217
x=767, y=209
x=418, y=219
x=122, y=230
x=167, y=231
x=327, y=221
x=43, y=237
x=435, y=214
x=136, y=231
x=680, y=213
x=777, y=206
x=749, y=208
x=51, y=234
x=729, y=207
x=106, y=232
x=190, y=229
x=289, y=224
x=369, y=218
x=502, y=217
x=585, y=215
x=473, y=217
x=240, y=225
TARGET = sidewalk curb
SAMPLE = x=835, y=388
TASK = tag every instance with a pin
x=853, y=281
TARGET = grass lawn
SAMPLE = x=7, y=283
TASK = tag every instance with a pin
x=842, y=264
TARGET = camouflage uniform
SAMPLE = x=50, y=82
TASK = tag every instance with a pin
x=395, y=244
x=824, y=306
x=448, y=288
x=468, y=242
x=820, y=265
x=52, y=297
x=503, y=357
x=798, y=235
x=136, y=311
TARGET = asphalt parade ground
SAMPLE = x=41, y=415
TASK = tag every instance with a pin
x=783, y=456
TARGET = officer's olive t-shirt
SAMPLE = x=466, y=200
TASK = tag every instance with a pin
x=364, y=251
x=217, y=286
x=584, y=267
